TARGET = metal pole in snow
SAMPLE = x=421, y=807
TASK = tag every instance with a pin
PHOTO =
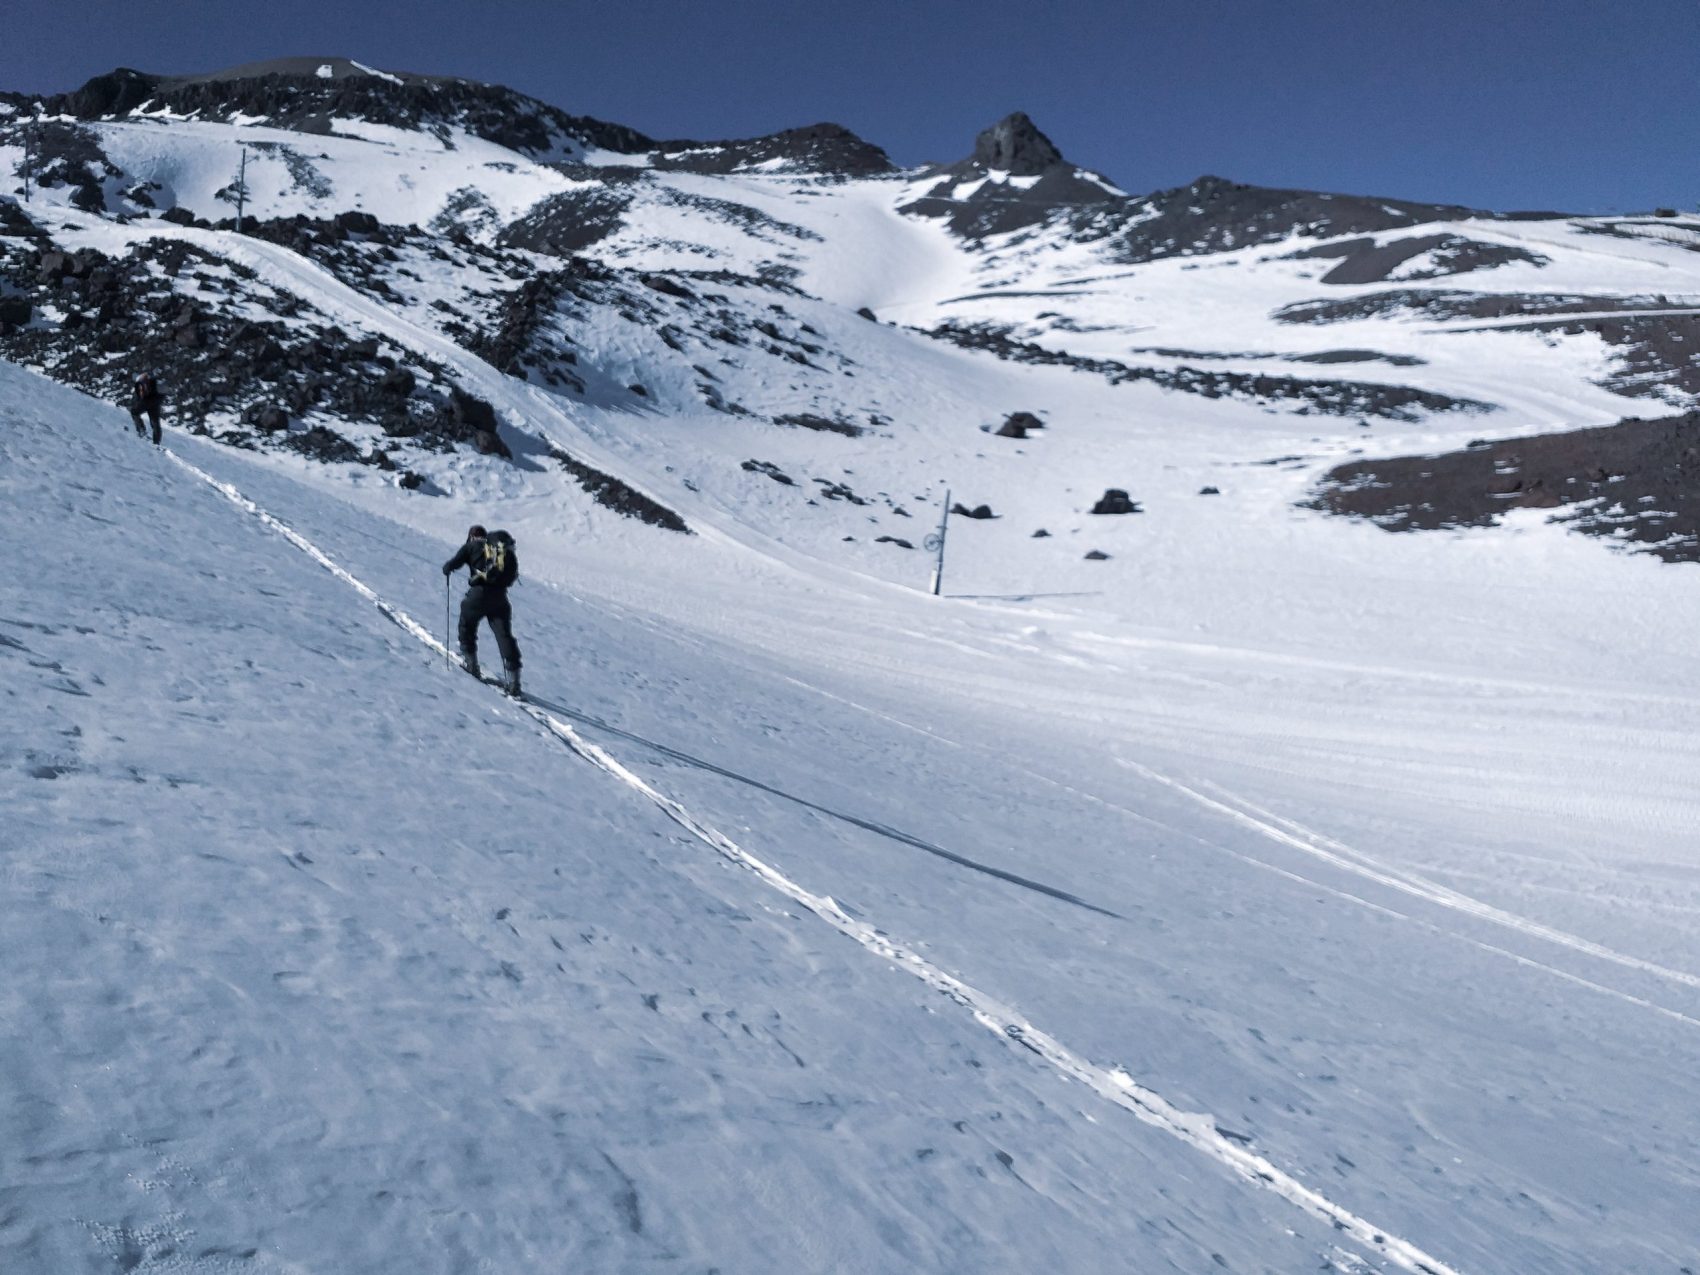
x=241, y=189
x=936, y=542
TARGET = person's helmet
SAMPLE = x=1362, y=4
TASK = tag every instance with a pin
x=475, y=532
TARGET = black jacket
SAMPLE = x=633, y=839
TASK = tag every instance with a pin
x=471, y=555
x=473, y=547
x=146, y=392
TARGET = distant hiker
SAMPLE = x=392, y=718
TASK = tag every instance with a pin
x=492, y=565
x=145, y=400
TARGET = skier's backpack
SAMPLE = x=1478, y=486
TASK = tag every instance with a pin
x=497, y=562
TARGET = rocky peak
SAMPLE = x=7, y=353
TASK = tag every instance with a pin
x=1015, y=145
x=306, y=94
x=826, y=149
x=114, y=93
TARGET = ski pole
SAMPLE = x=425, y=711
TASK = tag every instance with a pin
x=447, y=662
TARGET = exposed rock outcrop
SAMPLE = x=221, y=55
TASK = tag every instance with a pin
x=1637, y=481
x=1015, y=145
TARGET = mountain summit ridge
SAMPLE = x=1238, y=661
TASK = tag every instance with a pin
x=732, y=281
x=1016, y=146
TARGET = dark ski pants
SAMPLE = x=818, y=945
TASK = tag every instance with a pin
x=483, y=603
x=152, y=415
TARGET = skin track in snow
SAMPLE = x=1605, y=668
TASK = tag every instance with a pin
x=1197, y=1131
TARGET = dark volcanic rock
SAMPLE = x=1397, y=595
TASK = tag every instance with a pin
x=1637, y=481
x=568, y=222
x=993, y=205
x=1062, y=194
x=978, y=511
x=1454, y=303
x=358, y=222
x=838, y=491
x=1017, y=425
x=770, y=469
x=322, y=444
x=122, y=316
x=290, y=93
x=14, y=312
x=1357, y=356
x=668, y=287
x=1336, y=398
x=820, y=424
x=1655, y=355
x=471, y=414
x=522, y=314
x=68, y=154
x=1015, y=145
x=623, y=499
x=271, y=419
x=1115, y=501
x=115, y=93
x=1215, y=215
x=824, y=149
x=1361, y=261
x=398, y=381
x=14, y=221
x=465, y=418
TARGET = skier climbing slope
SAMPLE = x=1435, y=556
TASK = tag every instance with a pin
x=492, y=565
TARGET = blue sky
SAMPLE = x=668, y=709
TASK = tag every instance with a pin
x=1493, y=103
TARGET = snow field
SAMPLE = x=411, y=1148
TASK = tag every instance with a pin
x=1162, y=868
x=1379, y=850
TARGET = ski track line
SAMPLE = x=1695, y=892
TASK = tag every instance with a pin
x=1112, y=1083
x=1346, y=896
x=1350, y=860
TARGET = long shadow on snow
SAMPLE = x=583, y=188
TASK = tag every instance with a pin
x=867, y=825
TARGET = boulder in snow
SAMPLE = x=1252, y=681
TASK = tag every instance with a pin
x=1115, y=501
x=398, y=381
x=1017, y=424
x=14, y=312
x=271, y=419
x=359, y=223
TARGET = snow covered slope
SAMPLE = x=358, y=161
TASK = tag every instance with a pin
x=331, y=957
x=701, y=308
x=1270, y=894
